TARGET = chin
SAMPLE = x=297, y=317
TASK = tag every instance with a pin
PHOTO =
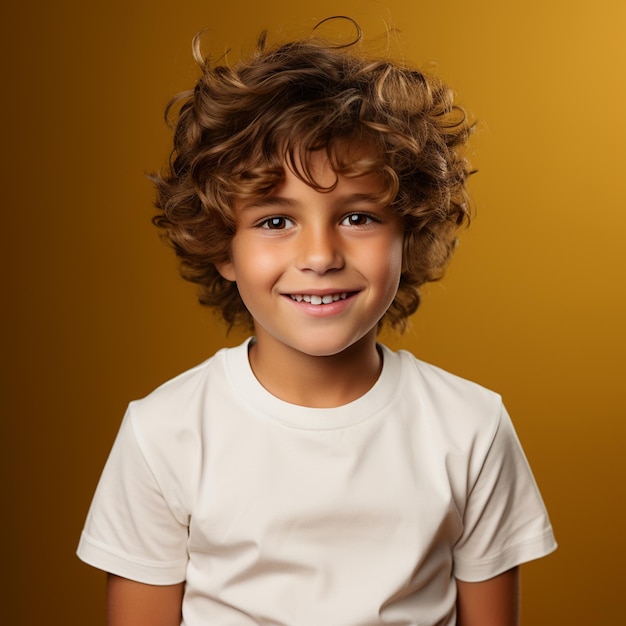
x=326, y=348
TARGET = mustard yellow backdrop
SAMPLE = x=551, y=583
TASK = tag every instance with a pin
x=94, y=314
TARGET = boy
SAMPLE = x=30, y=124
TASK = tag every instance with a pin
x=312, y=477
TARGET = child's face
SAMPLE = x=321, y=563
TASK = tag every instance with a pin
x=316, y=270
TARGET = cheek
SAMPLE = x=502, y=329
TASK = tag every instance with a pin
x=381, y=264
x=255, y=264
x=263, y=265
x=387, y=264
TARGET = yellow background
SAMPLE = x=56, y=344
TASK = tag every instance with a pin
x=95, y=315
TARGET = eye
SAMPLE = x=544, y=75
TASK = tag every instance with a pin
x=276, y=222
x=357, y=219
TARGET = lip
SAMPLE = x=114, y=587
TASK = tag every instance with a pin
x=319, y=292
x=336, y=306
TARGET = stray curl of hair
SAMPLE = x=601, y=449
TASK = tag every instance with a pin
x=238, y=128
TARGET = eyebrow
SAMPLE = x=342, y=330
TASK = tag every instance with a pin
x=268, y=201
x=281, y=201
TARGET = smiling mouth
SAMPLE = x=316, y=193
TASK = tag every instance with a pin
x=317, y=300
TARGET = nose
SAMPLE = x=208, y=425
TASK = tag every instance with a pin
x=320, y=251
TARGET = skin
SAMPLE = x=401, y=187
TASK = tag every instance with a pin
x=303, y=242
x=130, y=603
x=493, y=602
x=300, y=241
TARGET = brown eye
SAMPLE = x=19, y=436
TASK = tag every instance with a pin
x=357, y=219
x=276, y=223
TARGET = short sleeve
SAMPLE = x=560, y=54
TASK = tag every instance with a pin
x=131, y=531
x=505, y=521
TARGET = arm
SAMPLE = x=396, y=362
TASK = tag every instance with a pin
x=493, y=602
x=130, y=603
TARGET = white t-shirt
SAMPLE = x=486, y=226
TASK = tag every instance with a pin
x=278, y=514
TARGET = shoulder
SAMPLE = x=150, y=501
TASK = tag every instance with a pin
x=172, y=416
x=168, y=430
x=442, y=388
x=182, y=397
x=459, y=413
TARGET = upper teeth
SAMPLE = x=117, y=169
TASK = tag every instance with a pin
x=319, y=299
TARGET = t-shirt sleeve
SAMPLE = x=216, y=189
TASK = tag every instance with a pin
x=131, y=530
x=505, y=521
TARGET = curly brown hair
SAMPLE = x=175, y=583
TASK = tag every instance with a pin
x=241, y=124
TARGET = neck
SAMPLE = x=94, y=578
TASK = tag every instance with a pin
x=317, y=381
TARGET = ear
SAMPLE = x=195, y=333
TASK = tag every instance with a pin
x=227, y=270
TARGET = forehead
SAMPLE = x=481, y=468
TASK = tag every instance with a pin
x=321, y=176
x=325, y=169
x=349, y=158
x=350, y=165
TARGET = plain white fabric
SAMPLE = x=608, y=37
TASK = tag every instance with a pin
x=278, y=514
